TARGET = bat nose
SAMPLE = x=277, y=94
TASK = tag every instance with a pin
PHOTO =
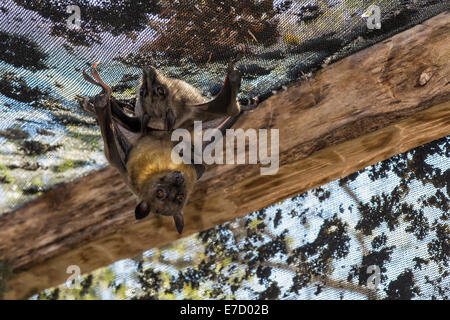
x=179, y=178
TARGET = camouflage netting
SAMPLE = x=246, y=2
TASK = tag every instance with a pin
x=393, y=216
x=46, y=139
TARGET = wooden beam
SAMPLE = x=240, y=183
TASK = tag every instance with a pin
x=363, y=109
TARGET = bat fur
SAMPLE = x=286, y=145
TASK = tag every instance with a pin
x=139, y=145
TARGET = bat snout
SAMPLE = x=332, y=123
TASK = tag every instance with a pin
x=178, y=177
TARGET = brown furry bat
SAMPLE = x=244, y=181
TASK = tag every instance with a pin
x=172, y=103
x=165, y=103
x=144, y=160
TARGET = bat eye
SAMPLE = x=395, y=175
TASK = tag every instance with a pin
x=142, y=92
x=159, y=91
x=160, y=194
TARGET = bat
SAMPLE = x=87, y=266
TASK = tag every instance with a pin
x=144, y=161
x=172, y=103
x=165, y=103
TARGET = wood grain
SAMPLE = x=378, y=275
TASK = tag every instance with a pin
x=363, y=109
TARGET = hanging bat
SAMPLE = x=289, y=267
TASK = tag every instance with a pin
x=165, y=103
x=144, y=161
x=172, y=103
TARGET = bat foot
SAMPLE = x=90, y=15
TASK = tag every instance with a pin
x=253, y=104
x=101, y=102
x=98, y=80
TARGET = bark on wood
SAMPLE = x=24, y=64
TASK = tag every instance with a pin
x=363, y=109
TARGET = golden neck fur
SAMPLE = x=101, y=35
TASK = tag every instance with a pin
x=149, y=159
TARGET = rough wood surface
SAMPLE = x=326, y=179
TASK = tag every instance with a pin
x=363, y=109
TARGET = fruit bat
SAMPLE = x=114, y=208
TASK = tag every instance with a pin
x=144, y=158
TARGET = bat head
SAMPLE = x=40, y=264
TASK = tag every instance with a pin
x=164, y=99
x=165, y=194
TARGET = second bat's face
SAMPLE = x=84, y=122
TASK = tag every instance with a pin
x=164, y=99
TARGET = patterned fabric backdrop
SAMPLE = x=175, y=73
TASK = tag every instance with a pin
x=393, y=215
x=45, y=137
x=380, y=233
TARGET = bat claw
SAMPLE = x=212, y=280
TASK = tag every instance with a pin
x=97, y=77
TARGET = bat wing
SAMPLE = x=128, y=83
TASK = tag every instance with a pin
x=221, y=125
x=133, y=124
x=225, y=103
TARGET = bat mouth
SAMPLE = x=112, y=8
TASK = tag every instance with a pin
x=166, y=214
x=165, y=211
x=143, y=209
x=149, y=74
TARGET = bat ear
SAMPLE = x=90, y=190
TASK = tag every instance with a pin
x=142, y=210
x=170, y=119
x=199, y=169
x=179, y=222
